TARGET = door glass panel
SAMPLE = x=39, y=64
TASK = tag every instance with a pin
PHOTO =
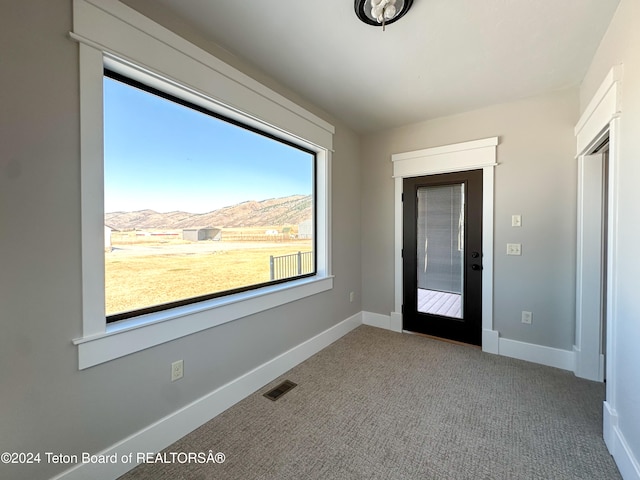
x=440, y=250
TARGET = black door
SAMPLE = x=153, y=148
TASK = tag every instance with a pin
x=442, y=256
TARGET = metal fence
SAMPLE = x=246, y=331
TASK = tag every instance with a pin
x=286, y=266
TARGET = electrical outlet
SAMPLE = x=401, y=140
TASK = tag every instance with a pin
x=352, y=296
x=177, y=370
x=527, y=317
x=514, y=249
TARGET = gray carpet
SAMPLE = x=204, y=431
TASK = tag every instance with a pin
x=382, y=405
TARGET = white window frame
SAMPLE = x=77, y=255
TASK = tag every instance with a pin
x=113, y=35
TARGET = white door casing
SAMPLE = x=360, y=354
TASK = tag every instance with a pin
x=599, y=121
x=589, y=268
x=473, y=155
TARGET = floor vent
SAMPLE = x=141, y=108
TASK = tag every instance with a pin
x=280, y=390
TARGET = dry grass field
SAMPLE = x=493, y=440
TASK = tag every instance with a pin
x=141, y=273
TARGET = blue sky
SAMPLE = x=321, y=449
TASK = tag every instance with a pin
x=163, y=156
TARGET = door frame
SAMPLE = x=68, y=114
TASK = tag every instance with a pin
x=458, y=157
x=600, y=119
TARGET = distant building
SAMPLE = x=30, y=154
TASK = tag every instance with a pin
x=305, y=229
x=107, y=238
x=198, y=234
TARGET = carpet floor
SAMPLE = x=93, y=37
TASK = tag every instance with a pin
x=383, y=405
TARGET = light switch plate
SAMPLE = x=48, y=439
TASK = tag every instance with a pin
x=514, y=249
x=516, y=220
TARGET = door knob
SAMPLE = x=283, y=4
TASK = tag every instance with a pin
x=475, y=266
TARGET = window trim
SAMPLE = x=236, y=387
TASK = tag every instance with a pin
x=115, y=36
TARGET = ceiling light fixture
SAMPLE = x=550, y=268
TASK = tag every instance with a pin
x=381, y=12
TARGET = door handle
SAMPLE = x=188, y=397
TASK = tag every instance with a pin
x=475, y=266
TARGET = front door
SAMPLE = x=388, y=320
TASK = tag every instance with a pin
x=442, y=255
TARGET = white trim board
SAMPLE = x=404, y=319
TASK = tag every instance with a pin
x=600, y=118
x=376, y=320
x=476, y=154
x=602, y=108
x=551, y=357
x=391, y=322
x=171, y=428
x=456, y=157
x=626, y=462
x=141, y=334
x=589, y=273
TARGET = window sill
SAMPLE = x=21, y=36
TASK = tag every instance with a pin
x=133, y=335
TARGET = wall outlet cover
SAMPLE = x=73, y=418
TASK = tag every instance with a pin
x=514, y=249
x=177, y=370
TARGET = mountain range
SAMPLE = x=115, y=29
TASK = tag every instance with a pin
x=290, y=210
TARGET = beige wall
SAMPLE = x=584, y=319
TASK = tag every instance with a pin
x=46, y=404
x=621, y=45
x=536, y=178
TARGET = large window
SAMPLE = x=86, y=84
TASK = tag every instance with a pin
x=205, y=194
x=196, y=205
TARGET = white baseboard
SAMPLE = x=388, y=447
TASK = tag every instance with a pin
x=490, y=341
x=551, y=357
x=588, y=368
x=396, y=322
x=166, y=431
x=609, y=425
x=618, y=447
x=391, y=322
x=376, y=320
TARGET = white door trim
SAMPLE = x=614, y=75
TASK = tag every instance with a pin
x=603, y=107
x=599, y=120
x=589, y=268
x=602, y=118
x=459, y=157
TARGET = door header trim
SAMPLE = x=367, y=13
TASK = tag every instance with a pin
x=601, y=110
x=456, y=157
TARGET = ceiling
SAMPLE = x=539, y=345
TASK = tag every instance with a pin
x=443, y=57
